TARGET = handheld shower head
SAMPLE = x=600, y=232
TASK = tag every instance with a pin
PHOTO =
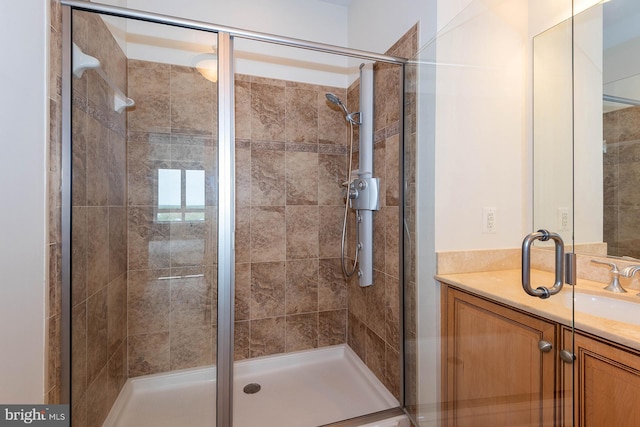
x=332, y=98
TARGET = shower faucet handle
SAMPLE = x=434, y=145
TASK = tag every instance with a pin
x=367, y=192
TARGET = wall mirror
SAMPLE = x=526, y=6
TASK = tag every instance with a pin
x=553, y=131
x=604, y=141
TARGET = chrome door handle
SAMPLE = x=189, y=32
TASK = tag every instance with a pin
x=541, y=291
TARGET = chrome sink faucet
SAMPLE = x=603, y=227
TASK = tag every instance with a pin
x=615, y=285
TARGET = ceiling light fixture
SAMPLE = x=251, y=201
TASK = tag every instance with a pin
x=207, y=65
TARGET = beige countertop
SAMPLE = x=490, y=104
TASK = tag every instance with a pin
x=505, y=286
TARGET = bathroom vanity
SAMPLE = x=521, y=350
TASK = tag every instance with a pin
x=507, y=358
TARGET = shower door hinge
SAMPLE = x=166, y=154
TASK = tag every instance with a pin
x=570, y=268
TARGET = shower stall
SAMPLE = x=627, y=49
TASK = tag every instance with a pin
x=206, y=194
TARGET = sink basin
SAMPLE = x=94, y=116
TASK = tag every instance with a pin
x=602, y=306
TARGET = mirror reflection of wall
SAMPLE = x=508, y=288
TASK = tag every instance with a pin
x=621, y=126
x=553, y=131
x=621, y=162
x=582, y=164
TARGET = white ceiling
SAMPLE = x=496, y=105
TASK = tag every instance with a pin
x=344, y=3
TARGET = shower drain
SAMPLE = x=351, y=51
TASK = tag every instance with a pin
x=252, y=388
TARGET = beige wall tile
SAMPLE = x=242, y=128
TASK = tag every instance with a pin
x=332, y=287
x=192, y=102
x=79, y=418
x=332, y=127
x=97, y=248
x=148, y=240
x=301, y=293
x=53, y=357
x=392, y=371
x=116, y=314
x=302, y=232
x=375, y=354
x=78, y=352
x=117, y=165
x=301, y=178
x=301, y=115
x=117, y=241
x=98, y=402
x=192, y=291
x=379, y=240
x=268, y=234
x=243, y=177
x=301, y=332
x=188, y=243
x=331, y=174
x=148, y=302
x=242, y=292
x=357, y=336
x=375, y=297
x=392, y=312
x=332, y=327
x=357, y=300
x=267, y=336
x=149, y=85
x=330, y=231
x=243, y=109
x=392, y=164
x=392, y=257
x=146, y=153
x=267, y=178
x=191, y=347
x=243, y=234
x=97, y=146
x=116, y=372
x=241, y=337
x=267, y=112
x=267, y=289
x=148, y=353
x=79, y=156
x=96, y=334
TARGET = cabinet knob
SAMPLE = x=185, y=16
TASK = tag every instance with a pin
x=545, y=346
x=567, y=356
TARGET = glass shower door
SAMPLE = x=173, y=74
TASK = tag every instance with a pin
x=144, y=232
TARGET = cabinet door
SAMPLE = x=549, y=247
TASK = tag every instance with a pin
x=494, y=374
x=606, y=380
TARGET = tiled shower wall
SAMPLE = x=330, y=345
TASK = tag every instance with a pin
x=290, y=161
x=172, y=270
x=621, y=130
x=99, y=229
x=374, y=312
x=290, y=293
x=54, y=177
x=409, y=49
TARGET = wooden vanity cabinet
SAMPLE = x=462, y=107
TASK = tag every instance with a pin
x=494, y=373
x=606, y=380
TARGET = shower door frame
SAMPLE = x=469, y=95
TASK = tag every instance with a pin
x=226, y=192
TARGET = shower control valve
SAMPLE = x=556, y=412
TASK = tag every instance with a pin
x=367, y=193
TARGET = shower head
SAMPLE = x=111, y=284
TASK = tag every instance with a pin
x=336, y=101
x=332, y=98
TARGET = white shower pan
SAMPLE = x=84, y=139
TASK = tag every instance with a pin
x=303, y=389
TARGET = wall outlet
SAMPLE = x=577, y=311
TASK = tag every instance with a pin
x=488, y=220
x=563, y=219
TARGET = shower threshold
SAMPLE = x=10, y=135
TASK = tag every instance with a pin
x=303, y=389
